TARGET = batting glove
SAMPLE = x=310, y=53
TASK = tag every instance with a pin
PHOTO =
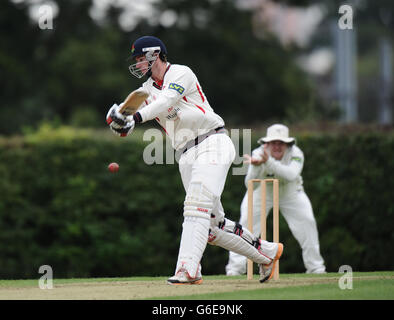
x=123, y=131
x=114, y=115
x=118, y=123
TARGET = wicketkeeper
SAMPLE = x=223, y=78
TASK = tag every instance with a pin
x=278, y=157
x=177, y=102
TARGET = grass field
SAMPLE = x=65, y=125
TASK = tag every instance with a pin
x=365, y=286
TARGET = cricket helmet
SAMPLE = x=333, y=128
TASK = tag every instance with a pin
x=147, y=46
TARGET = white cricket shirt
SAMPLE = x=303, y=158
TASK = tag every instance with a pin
x=179, y=105
x=287, y=170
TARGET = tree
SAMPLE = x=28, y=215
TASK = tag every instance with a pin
x=80, y=65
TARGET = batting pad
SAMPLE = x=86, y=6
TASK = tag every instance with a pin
x=199, y=201
x=195, y=228
x=242, y=243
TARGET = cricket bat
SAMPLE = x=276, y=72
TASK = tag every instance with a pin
x=133, y=102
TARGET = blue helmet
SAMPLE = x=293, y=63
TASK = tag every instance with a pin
x=147, y=44
x=151, y=48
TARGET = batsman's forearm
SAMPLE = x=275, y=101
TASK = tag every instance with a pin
x=158, y=106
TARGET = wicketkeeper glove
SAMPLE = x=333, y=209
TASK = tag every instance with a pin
x=118, y=123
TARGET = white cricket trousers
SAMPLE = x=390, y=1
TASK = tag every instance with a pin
x=297, y=211
x=203, y=170
x=208, y=163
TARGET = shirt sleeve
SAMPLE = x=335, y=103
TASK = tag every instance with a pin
x=177, y=83
x=288, y=172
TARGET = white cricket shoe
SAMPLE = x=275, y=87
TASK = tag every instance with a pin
x=267, y=270
x=183, y=277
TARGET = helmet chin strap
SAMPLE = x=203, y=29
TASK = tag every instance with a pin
x=151, y=60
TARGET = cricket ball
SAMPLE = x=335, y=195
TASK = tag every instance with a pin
x=113, y=167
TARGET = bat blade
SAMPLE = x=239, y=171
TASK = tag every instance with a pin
x=133, y=102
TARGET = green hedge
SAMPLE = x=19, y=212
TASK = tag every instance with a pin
x=60, y=206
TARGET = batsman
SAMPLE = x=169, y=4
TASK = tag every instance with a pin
x=173, y=96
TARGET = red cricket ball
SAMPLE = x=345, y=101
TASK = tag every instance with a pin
x=113, y=167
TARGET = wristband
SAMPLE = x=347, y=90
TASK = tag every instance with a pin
x=137, y=117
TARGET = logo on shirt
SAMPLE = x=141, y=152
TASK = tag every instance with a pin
x=296, y=159
x=173, y=113
x=176, y=87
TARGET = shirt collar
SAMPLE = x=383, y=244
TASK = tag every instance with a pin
x=159, y=84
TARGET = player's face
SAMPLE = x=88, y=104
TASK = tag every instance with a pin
x=277, y=149
x=142, y=64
